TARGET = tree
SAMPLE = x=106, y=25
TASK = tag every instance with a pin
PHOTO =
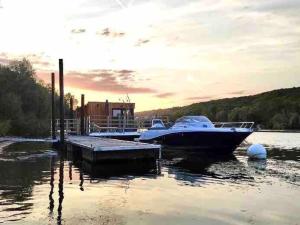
x=278, y=109
x=279, y=121
x=221, y=116
x=25, y=102
x=294, y=121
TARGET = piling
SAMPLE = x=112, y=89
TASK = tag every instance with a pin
x=82, y=131
x=61, y=102
x=53, y=105
x=71, y=108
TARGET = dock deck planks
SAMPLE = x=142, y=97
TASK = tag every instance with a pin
x=107, y=144
x=97, y=149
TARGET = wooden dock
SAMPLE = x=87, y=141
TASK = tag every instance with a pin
x=95, y=149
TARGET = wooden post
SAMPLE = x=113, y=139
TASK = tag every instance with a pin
x=53, y=105
x=61, y=102
x=82, y=116
x=71, y=108
x=71, y=115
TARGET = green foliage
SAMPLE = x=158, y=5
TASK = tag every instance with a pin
x=24, y=101
x=4, y=127
x=278, y=109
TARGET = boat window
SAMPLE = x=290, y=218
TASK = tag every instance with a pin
x=116, y=112
x=156, y=123
x=193, y=119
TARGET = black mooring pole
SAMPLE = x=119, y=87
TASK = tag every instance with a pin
x=82, y=116
x=53, y=105
x=71, y=116
x=61, y=102
x=71, y=108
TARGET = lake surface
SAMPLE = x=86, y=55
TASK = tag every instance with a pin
x=40, y=186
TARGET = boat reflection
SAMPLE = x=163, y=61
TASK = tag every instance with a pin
x=199, y=169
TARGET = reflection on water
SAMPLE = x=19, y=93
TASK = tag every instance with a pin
x=120, y=169
x=41, y=186
x=276, y=139
x=51, y=200
x=18, y=178
x=60, y=189
x=196, y=169
x=260, y=164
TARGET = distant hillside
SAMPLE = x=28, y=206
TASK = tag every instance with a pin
x=278, y=109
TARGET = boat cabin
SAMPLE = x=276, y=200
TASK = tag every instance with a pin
x=193, y=121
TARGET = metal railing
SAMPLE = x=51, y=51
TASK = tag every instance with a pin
x=146, y=122
x=72, y=126
x=113, y=122
x=100, y=123
x=106, y=123
x=248, y=125
x=117, y=124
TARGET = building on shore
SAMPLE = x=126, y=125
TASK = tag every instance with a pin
x=108, y=114
x=107, y=109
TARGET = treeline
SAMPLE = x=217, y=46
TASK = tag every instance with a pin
x=25, y=102
x=278, y=109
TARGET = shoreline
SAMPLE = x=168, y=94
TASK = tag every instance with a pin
x=279, y=131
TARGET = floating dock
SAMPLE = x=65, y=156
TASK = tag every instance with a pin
x=95, y=149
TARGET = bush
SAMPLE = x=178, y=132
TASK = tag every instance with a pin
x=4, y=127
x=25, y=102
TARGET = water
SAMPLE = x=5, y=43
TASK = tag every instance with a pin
x=40, y=186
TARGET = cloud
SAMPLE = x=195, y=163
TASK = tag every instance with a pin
x=275, y=5
x=202, y=98
x=237, y=92
x=107, y=32
x=78, y=31
x=112, y=81
x=4, y=58
x=165, y=95
x=142, y=42
x=37, y=60
x=124, y=4
x=125, y=75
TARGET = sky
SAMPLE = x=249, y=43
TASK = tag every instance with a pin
x=161, y=53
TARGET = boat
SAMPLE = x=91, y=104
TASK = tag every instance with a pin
x=198, y=132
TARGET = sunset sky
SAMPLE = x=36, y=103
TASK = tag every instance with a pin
x=162, y=53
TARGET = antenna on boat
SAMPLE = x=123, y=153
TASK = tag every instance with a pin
x=127, y=98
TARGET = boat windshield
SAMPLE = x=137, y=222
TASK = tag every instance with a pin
x=193, y=119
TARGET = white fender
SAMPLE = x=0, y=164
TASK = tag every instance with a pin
x=257, y=151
